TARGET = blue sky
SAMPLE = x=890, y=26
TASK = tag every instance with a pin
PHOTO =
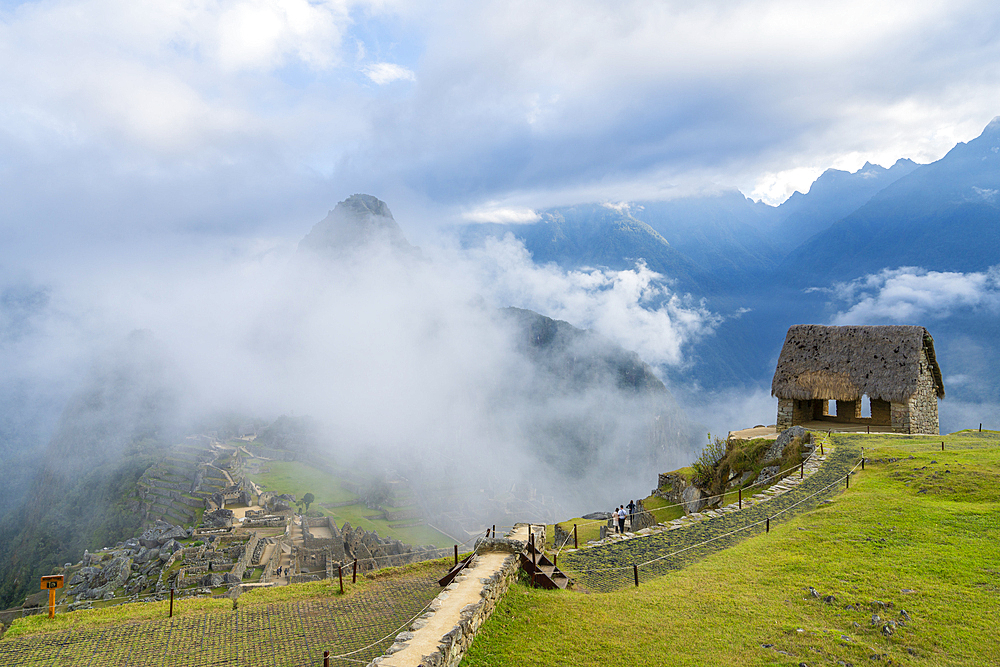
x=138, y=120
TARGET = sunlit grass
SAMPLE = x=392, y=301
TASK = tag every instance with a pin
x=906, y=533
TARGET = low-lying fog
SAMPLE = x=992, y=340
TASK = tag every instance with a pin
x=404, y=358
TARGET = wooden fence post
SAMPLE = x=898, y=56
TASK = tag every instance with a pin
x=171, y=603
x=741, y=497
x=576, y=544
x=635, y=570
x=326, y=659
x=456, y=554
x=354, y=575
x=768, y=529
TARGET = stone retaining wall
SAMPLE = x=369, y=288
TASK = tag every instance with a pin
x=453, y=645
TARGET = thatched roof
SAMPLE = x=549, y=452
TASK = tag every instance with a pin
x=843, y=363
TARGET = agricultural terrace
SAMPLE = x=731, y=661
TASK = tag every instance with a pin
x=289, y=626
x=334, y=498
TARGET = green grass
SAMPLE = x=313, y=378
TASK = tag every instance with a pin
x=904, y=525
x=113, y=615
x=298, y=479
x=103, y=614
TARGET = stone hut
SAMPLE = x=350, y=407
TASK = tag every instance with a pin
x=893, y=367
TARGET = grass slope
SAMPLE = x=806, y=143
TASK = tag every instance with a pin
x=298, y=478
x=918, y=533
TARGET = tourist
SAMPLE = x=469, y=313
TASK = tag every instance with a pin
x=621, y=519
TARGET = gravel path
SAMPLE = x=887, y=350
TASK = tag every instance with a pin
x=609, y=567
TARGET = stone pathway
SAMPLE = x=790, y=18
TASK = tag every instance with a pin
x=446, y=611
x=608, y=566
x=787, y=484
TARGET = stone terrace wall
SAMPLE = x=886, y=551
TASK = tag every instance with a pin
x=453, y=645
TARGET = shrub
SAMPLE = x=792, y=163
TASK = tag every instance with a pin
x=707, y=464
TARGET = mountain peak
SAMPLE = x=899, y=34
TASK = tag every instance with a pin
x=359, y=221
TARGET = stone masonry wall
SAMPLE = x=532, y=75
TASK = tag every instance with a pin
x=923, y=405
x=792, y=412
x=881, y=412
x=456, y=642
x=785, y=410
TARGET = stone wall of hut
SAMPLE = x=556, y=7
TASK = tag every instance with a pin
x=792, y=412
x=919, y=414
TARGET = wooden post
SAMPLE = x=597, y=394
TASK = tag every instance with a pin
x=171, y=603
x=869, y=430
x=980, y=427
x=942, y=445
x=576, y=544
x=555, y=560
x=326, y=659
x=821, y=453
x=635, y=570
x=534, y=558
x=340, y=575
x=494, y=533
x=847, y=478
x=802, y=470
x=354, y=576
x=768, y=529
x=51, y=582
x=456, y=554
x=741, y=497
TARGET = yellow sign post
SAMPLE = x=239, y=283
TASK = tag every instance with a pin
x=51, y=582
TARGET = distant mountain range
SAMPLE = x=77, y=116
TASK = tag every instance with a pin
x=781, y=262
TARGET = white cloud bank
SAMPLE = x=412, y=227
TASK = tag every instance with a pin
x=909, y=294
x=241, y=114
x=632, y=307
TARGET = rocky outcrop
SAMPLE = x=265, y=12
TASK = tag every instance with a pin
x=775, y=450
x=677, y=489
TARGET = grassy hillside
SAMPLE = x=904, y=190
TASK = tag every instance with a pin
x=917, y=531
x=299, y=478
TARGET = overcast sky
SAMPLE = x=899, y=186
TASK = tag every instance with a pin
x=126, y=121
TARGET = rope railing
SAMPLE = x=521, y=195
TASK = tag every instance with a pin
x=766, y=481
x=724, y=535
x=619, y=574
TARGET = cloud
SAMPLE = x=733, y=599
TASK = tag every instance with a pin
x=402, y=361
x=237, y=113
x=384, y=73
x=634, y=307
x=501, y=214
x=910, y=294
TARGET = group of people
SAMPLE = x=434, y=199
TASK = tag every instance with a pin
x=621, y=514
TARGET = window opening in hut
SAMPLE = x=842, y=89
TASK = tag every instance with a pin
x=831, y=409
x=866, y=407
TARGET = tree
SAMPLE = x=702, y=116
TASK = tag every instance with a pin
x=308, y=499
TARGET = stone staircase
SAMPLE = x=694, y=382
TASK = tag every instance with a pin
x=542, y=572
